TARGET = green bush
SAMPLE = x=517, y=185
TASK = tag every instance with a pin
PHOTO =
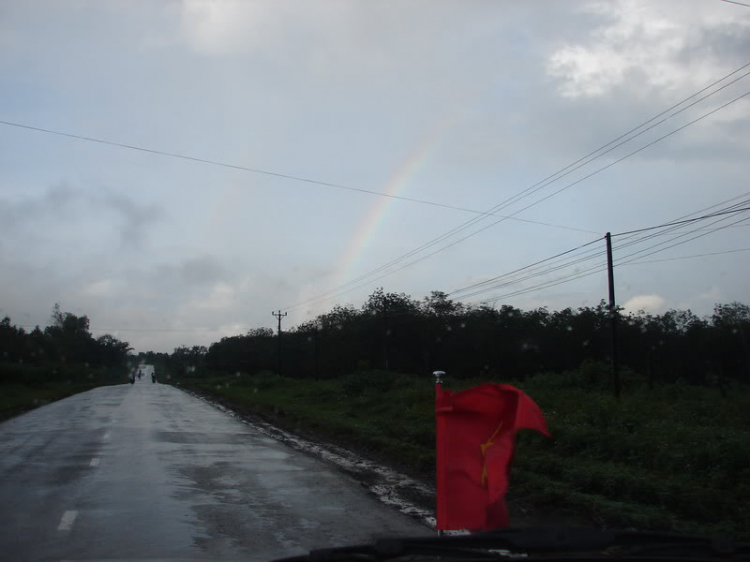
x=662, y=459
x=357, y=383
x=264, y=380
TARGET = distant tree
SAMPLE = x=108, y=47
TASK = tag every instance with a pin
x=394, y=331
x=111, y=351
x=12, y=341
x=732, y=323
x=61, y=349
x=260, y=333
x=439, y=305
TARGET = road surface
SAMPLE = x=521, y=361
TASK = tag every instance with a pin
x=147, y=472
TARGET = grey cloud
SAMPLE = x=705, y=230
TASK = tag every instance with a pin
x=727, y=42
x=342, y=94
x=63, y=206
x=20, y=211
x=193, y=272
x=202, y=270
x=135, y=217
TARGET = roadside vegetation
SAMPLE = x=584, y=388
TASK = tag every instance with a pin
x=675, y=457
x=40, y=366
x=672, y=453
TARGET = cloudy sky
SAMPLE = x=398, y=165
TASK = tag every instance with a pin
x=464, y=104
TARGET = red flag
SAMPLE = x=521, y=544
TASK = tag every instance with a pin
x=476, y=431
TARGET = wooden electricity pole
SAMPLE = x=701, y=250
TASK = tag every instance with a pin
x=279, y=315
x=612, y=314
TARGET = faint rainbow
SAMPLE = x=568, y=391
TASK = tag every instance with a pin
x=374, y=217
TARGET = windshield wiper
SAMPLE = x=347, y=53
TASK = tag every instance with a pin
x=548, y=543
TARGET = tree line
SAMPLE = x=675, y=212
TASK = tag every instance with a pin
x=63, y=350
x=394, y=332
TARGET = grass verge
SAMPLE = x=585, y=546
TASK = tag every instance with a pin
x=29, y=389
x=673, y=458
x=16, y=399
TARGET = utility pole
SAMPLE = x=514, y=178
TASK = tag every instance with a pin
x=386, y=331
x=314, y=340
x=612, y=314
x=317, y=352
x=279, y=315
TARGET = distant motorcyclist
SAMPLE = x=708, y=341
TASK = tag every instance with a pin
x=153, y=377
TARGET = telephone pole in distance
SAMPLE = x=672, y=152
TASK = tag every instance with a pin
x=279, y=315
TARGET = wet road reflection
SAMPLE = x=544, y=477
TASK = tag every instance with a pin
x=148, y=472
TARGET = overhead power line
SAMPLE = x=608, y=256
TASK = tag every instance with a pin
x=590, y=271
x=689, y=257
x=271, y=173
x=564, y=279
x=326, y=296
x=632, y=239
x=686, y=221
x=548, y=284
x=642, y=148
x=533, y=273
x=741, y=202
x=588, y=255
x=553, y=263
x=493, y=284
x=684, y=241
x=736, y=226
x=533, y=270
x=528, y=191
x=488, y=281
x=597, y=268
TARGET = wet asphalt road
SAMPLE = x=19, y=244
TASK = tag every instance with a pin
x=147, y=472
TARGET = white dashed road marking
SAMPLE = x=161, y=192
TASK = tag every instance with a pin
x=95, y=461
x=68, y=518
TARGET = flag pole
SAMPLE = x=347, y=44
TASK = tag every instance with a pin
x=438, y=380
